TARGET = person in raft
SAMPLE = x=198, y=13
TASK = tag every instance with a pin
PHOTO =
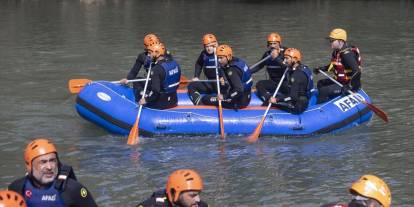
x=48, y=182
x=297, y=86
x=206, y=63
x=142, y=61
x=236, y=82
x=367, y=191
x=346, y=66
x=183, y=189
x=165, y=78
x=273, y=64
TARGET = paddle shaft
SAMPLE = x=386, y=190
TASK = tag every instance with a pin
x=262, y=60
x=218, y=94
x=375, y=109
x=275, y=93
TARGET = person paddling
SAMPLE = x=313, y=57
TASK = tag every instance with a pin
x=206, y=63
x=165, y=78
x=367, y=191
x=183, y=189
x=236, y=81
x=274, y=58
x=346, y=66
x=142, y=61
x=296, y=90
x=48, y=182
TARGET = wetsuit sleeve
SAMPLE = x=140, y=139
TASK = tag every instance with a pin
x=349, y=61
x=76, y=195
x=198, y=66
x=150, y=202
x=261, y=65
x=17, y=186
x=236, y=85
x=137, y=66
x=157, y=78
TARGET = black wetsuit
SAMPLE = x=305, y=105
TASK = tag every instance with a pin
x=72, y=193
x=156, y=97
x=159, y=199
x=235, y=94
x=295, y=91
x=328, y=89
x=142, y=61
x=205, y=63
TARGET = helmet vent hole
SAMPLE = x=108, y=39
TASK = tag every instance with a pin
x=34, y=147
x=190, y=179
x=21, y=203
x=1, y=198
x=187, y=174
x=8, y=196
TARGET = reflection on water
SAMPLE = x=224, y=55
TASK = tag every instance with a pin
x=44, y=44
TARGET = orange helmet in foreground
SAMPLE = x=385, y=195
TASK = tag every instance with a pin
x=274, y=37
x=209, y=38
x=226, y=51
x=182, y=180
x=294, y=54
x=36, y=148
x=149, y=39
x=11, y=199
x=371, y=186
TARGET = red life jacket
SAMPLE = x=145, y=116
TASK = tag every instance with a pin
x=342, y=74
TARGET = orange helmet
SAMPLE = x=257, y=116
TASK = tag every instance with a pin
x=158, y=48
x=150, y=38
x=182, y=180
x=274, y=37
x=371, y=186
x=36, y=148
x=209, y=38
x=226, y=51
x=294, y=54
x=11, y=199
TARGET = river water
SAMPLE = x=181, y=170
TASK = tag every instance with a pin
x=46, y=43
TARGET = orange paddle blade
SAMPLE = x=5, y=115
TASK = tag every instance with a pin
x=183, y=82
x=377, y=111
x=255, y=135
x=76, y=85
x=221, y=121
x=133, y=134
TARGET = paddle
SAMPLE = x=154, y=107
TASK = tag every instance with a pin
x=375, y=109
x=218, y=94
x=262, y=60
x=133, y=137
x=255, y=135
x=76, y=85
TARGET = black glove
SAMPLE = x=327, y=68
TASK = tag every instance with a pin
x=316, y=70
x=345, y=89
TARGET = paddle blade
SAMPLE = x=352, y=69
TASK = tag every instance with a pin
x=183, y=82
x=377, y=111
x=255, y=135
x=222, y=135
x=76, y=85
x=133, y=137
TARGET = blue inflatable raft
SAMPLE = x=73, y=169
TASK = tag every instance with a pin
x=112, y=107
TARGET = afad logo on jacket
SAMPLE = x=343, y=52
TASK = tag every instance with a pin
x=348, y=102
